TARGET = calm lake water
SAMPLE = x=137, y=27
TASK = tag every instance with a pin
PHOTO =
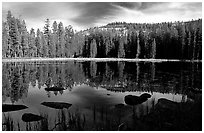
x=93, y=89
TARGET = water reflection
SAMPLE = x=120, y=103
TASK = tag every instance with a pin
x=96, y=91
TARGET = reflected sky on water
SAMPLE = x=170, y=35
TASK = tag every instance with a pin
x=95, y=87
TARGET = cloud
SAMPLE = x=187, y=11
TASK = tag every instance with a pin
x=92, y=12
x=35, y=13
x=83, y=15
x=155, y=12
x=129, y=5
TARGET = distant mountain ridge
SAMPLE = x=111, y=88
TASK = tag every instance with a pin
x=127, y=25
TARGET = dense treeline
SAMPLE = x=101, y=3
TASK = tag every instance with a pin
x=55, y=41
x=178, y=40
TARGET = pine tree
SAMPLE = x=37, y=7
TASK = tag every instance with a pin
x=189, y=46
x=52, y=46
x=154, y=49
x=54, y=38
x=194, y=45
x=142, y=43
x=24, y=39
x=77, y=44
x=121, y=51
x=38, y=43
x=13, y=34
x=20, y=30
x=32, y=45
x=5, y=40
x=108, y=41
x=61, y=41
x=44, y=50
x=199, y=40
x=69, y=33
x=47, y=37
x=93, y=49
x=138, y=46
x=181, y=38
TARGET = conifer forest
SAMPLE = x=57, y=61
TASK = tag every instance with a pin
x=168, y=40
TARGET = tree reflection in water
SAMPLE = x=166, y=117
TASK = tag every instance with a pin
x=116, y=77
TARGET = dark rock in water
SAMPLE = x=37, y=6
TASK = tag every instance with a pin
x=108, y=94
x=29, y=117
x=135, y=100
x=145, y=96
x=10, y=107
x=132, y=100
x=54, y=89
x=57, y=105
x=166, y=104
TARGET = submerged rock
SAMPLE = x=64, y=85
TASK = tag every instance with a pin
x=145, y=96
x=57, y=105
x=132, y=100
x=10, y=107
x=166, y=104
x=135, y=100
x=29, y=117
x=54, y=89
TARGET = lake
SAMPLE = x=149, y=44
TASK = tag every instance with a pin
x=94, y=94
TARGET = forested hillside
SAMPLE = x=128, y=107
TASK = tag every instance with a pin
x=177, y=40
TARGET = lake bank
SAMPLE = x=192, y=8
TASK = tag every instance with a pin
x=95, y=59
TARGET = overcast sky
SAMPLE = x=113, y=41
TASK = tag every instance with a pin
x=84, y=15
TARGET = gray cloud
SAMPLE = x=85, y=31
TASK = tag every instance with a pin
x=129, y=5
x=92, y=12
x=152, y=8
x=88, y=14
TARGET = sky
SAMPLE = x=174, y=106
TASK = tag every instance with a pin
x=83, y=15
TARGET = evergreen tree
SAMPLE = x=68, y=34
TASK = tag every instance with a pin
x=154, y=49
x=77, y=44
x=69, y=33
x=54, y=38
x=121, y=50
x=24, y=40
x=47, y=37
x=181, y=37
x=93, y=49
x=5, y=40
x=20, y=30
x=32, y=45
x=38, y=43
x=61, y=41
x=13, y=34
x=138, y=46
x=44, y=50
